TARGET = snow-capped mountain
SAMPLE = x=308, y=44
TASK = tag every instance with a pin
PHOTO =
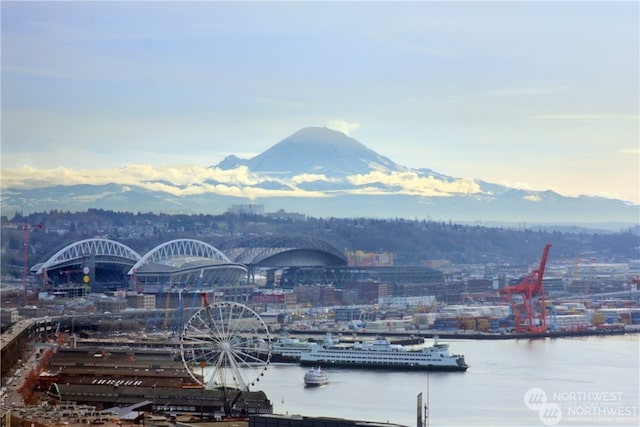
x=318, y=172
x=315, y=150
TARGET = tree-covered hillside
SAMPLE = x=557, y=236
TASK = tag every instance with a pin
x=411, y=242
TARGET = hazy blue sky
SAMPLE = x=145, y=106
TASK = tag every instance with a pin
x=540, y=95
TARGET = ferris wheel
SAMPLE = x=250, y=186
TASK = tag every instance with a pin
x=225, y=345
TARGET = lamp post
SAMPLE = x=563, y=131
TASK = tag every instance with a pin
x=202, y=365
x=426, y=406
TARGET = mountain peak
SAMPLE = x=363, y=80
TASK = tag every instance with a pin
x=317, y=150
x=320, y=135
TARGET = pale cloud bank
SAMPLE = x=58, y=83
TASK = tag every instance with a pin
x=142, y=175
x=633, y=117
x=309, y=177
x=634, y=151
x=532, y=198
x=185, y=180
x=412, y=183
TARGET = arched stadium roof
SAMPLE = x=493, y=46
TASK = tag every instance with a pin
x=105, y=251
x=180, y=249
x=283, y=251
x=187, y=261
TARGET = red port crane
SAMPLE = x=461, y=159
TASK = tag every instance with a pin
x=527, y=302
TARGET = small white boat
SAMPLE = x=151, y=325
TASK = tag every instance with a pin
x=315, y=377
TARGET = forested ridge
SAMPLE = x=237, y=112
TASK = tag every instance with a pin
x=411, y=241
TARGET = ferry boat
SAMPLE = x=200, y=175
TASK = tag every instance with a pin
x=287, y=349
x=381, y=354
x=316, y=377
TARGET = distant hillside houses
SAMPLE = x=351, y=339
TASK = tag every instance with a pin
x=246, y=209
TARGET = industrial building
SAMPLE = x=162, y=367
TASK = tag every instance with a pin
x=112, y=377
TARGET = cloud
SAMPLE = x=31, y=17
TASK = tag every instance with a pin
x=309, y=177
x=634, y=151
x=185, y=180
x=588, y=117
x=412, y=183
x=343, y=126
x=140, y=175
x=517, y=185
x=178, y=180
x=532, y=198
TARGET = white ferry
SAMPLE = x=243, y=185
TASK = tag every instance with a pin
x=287, y=349
x=381, y=354
x=316, y=377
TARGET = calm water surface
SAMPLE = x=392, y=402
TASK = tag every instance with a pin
x=586, y=381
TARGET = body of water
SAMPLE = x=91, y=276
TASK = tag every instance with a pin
x=585, y=381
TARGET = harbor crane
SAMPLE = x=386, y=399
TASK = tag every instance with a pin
x=527, y=301
x=26, y=227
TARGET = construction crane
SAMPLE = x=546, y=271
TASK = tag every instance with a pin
x=26, y=227
x=527, y=301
